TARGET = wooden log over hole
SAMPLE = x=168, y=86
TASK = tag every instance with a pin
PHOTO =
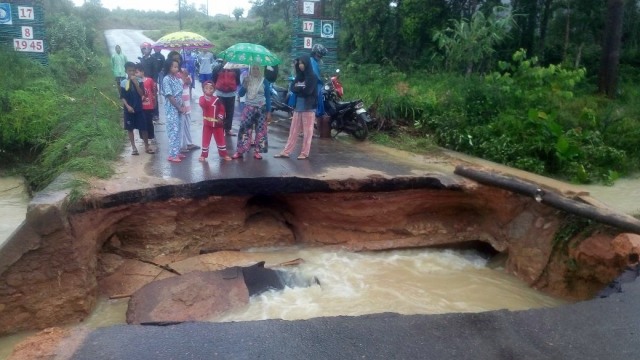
x=604, y=216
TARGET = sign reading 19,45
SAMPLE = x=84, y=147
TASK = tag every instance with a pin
x=28, y=45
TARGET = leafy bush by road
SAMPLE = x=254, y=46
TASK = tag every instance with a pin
x=64, y=117
x=542, y=119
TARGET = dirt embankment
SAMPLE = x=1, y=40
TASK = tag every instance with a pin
x=56, y=280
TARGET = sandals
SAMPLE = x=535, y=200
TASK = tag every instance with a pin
x=302, y=157
x=135, y=152
x=236, y=156
x=257, y=155
x=202, y=158
x=227, y=158
x=192, y=147
x=281, y=155
x=149, y=151
x=174, y=159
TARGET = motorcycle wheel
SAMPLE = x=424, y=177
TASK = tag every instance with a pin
x=361, y=130
x=334, y=128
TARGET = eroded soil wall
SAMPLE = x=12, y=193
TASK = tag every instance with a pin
x=54, y=281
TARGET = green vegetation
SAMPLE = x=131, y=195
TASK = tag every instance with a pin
x=543, y=119
x=573, y=228
x=64, y=117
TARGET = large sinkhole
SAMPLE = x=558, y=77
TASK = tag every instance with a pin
x=335, y=254
x=348, y=252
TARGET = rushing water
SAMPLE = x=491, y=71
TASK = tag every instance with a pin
x=424, y=281
x=421, y=281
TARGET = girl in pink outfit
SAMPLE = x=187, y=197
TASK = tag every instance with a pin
x=304, y=114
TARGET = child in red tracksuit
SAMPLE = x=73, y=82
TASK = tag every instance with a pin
x=213, y=122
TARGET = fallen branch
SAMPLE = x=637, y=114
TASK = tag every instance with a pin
x=618, y=220
x=131, y=255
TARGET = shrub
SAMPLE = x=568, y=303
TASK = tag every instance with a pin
x=29, y=103
x=542, y=119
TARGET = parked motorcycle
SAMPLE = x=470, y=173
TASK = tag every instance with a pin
x=279, y=97
x=350, y=116
x=335, y=81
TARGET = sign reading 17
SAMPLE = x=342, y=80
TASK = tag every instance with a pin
x=307, y=26
x=25, y=13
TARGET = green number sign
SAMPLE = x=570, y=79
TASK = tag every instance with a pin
x=22, y=26
x=312, y=27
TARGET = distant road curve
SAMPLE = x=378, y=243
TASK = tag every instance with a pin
x=129, y=40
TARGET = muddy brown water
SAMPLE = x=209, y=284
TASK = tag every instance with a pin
x=424, y=281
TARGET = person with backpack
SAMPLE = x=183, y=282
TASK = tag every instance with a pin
x=227, y=81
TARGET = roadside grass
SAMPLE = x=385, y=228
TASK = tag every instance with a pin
x=405, y=140
x=89, y=136
x=556, y=129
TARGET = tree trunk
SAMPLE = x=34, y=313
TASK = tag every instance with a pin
x=579, y=56
x=532, y=24
x=473, y=5
x=612, y=42
x=544, y=22
x=567, y=30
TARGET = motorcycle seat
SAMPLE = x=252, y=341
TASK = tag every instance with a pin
x=344, y=104
x=279, y=88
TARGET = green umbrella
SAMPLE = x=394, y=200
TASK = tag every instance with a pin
x=249, y=54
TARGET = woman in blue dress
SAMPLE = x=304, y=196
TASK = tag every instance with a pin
x=172, y=91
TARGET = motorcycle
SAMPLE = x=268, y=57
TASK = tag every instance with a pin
x=350, y=116
x=279, y=98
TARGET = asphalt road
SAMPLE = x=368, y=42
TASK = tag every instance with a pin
x=597, y=329
x=607, y=328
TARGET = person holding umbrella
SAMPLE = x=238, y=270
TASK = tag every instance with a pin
x=256, y=112
x=257, y=92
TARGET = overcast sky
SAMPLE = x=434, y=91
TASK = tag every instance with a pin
x=215, y=6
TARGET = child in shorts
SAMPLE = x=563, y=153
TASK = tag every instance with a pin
x=131, y=93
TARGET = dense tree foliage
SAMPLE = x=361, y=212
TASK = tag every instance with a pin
x=556, y=31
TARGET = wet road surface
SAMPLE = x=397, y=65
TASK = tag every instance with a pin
x=597, y=329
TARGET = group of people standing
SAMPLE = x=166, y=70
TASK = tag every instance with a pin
x=138, y=88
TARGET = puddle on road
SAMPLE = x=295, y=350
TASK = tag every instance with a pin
x=13, y=205
x=623, y=196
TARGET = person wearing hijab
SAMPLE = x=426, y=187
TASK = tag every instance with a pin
x=256, y=112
